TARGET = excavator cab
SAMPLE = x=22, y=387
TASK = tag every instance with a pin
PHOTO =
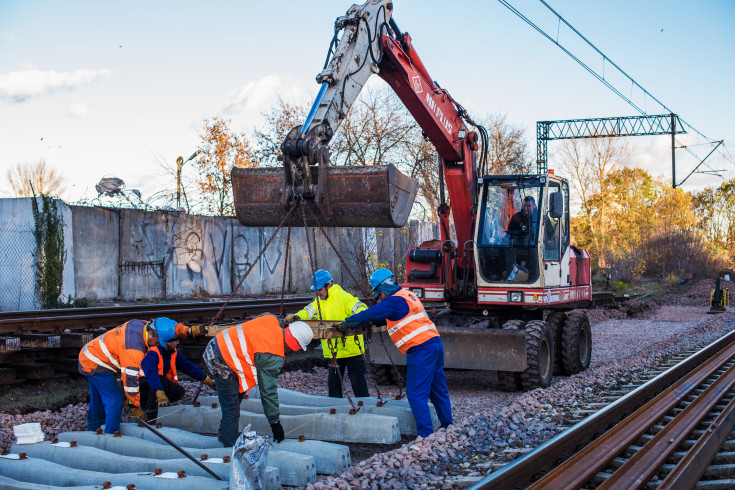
x=513, y=215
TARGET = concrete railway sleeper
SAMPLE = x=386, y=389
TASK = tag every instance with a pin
x=674, y=431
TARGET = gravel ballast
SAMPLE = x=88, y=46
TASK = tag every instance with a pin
x=491, y=427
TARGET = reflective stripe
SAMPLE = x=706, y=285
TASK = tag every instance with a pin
x=406, y=320
x=310, y=310
x=107, y=352
x=131, y=372
x=415, y=333
x=233, y=355
x=132, y=389
x=241, y=338
x=92, y=358
x=357, y=305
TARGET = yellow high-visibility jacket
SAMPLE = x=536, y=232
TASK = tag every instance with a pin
x=339, y=305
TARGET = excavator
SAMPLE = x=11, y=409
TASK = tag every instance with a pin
x=502, y=282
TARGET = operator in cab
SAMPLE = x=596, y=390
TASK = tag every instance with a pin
x=416, y=336
x=337, y=304
x=524, y=221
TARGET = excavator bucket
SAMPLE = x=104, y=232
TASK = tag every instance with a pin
x=357, y=196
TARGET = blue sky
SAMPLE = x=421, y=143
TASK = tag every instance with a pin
x=113, y=87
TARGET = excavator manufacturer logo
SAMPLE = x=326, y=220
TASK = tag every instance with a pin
x=417, y=85
x=431, y=104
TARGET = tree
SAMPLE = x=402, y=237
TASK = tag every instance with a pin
x=587, y=163
x=507, y=148
x=281, y=118
x=43, y=178
x=220, y=152
x=713, y=211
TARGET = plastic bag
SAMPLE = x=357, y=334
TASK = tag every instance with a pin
x=249, y=461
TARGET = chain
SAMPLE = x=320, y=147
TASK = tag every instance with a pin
x=342, y=261
x=368, y=362
x=395, y=368
x=285, y=269
x=252, y=266
x=366, y=352
x=318, y=303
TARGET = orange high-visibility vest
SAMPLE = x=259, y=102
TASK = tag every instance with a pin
x=240, y=343
x=119, y=350
x=172, y=375
x=413, y=329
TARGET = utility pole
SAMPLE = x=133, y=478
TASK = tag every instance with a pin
x=673, y=151
x=179, y=164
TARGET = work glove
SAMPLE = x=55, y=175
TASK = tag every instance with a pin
x=210, y=382
x=198, y=330
x=289, y=319
x=182, y=331
x=139, y=413
x=162, y=399
x=277, y=430
x=349, y=325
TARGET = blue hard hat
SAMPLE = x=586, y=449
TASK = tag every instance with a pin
x=321, y=277
x=165, y=328
x=379, y=277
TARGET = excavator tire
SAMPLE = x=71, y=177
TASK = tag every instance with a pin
x=540, y=355
x=576, y=344
x=556, y=321
x=510, y=381
x=381, y=373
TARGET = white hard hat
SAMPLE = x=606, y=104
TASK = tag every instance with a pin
x=302, y=333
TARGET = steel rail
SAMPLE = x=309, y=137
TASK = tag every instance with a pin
x=581, y=467
x=644, y=464
x=56, y=321
x=523, y=472
x=693, y=465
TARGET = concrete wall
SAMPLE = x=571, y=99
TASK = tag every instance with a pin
x=127, y=254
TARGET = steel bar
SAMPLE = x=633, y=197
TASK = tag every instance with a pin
x=175, y=446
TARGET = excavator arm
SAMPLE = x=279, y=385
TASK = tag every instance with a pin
x=370, y=195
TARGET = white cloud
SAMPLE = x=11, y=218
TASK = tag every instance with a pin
x=77, y=110
x=261, y=94
x=21, y=85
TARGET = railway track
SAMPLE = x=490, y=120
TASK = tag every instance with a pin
x=44, y=344
x=674, y=431
x=56, y=321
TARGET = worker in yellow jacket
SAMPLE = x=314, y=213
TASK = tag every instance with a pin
x=337, y=304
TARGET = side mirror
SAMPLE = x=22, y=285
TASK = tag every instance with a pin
x=556, y=205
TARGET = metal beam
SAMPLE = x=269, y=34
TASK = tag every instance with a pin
x=602, y=127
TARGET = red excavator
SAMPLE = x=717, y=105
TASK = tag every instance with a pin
x=505, y=272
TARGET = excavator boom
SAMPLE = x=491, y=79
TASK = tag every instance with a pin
x=367, y=195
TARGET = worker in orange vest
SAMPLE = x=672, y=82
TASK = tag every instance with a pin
x=248, y=355
x=415, y=335
x=161, y=365
x=119, y=350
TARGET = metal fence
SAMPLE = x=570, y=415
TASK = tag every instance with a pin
x=17, y=268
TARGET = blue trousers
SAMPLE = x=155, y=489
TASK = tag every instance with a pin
x=228, y=393
x=425, y=381
x=106, y=400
